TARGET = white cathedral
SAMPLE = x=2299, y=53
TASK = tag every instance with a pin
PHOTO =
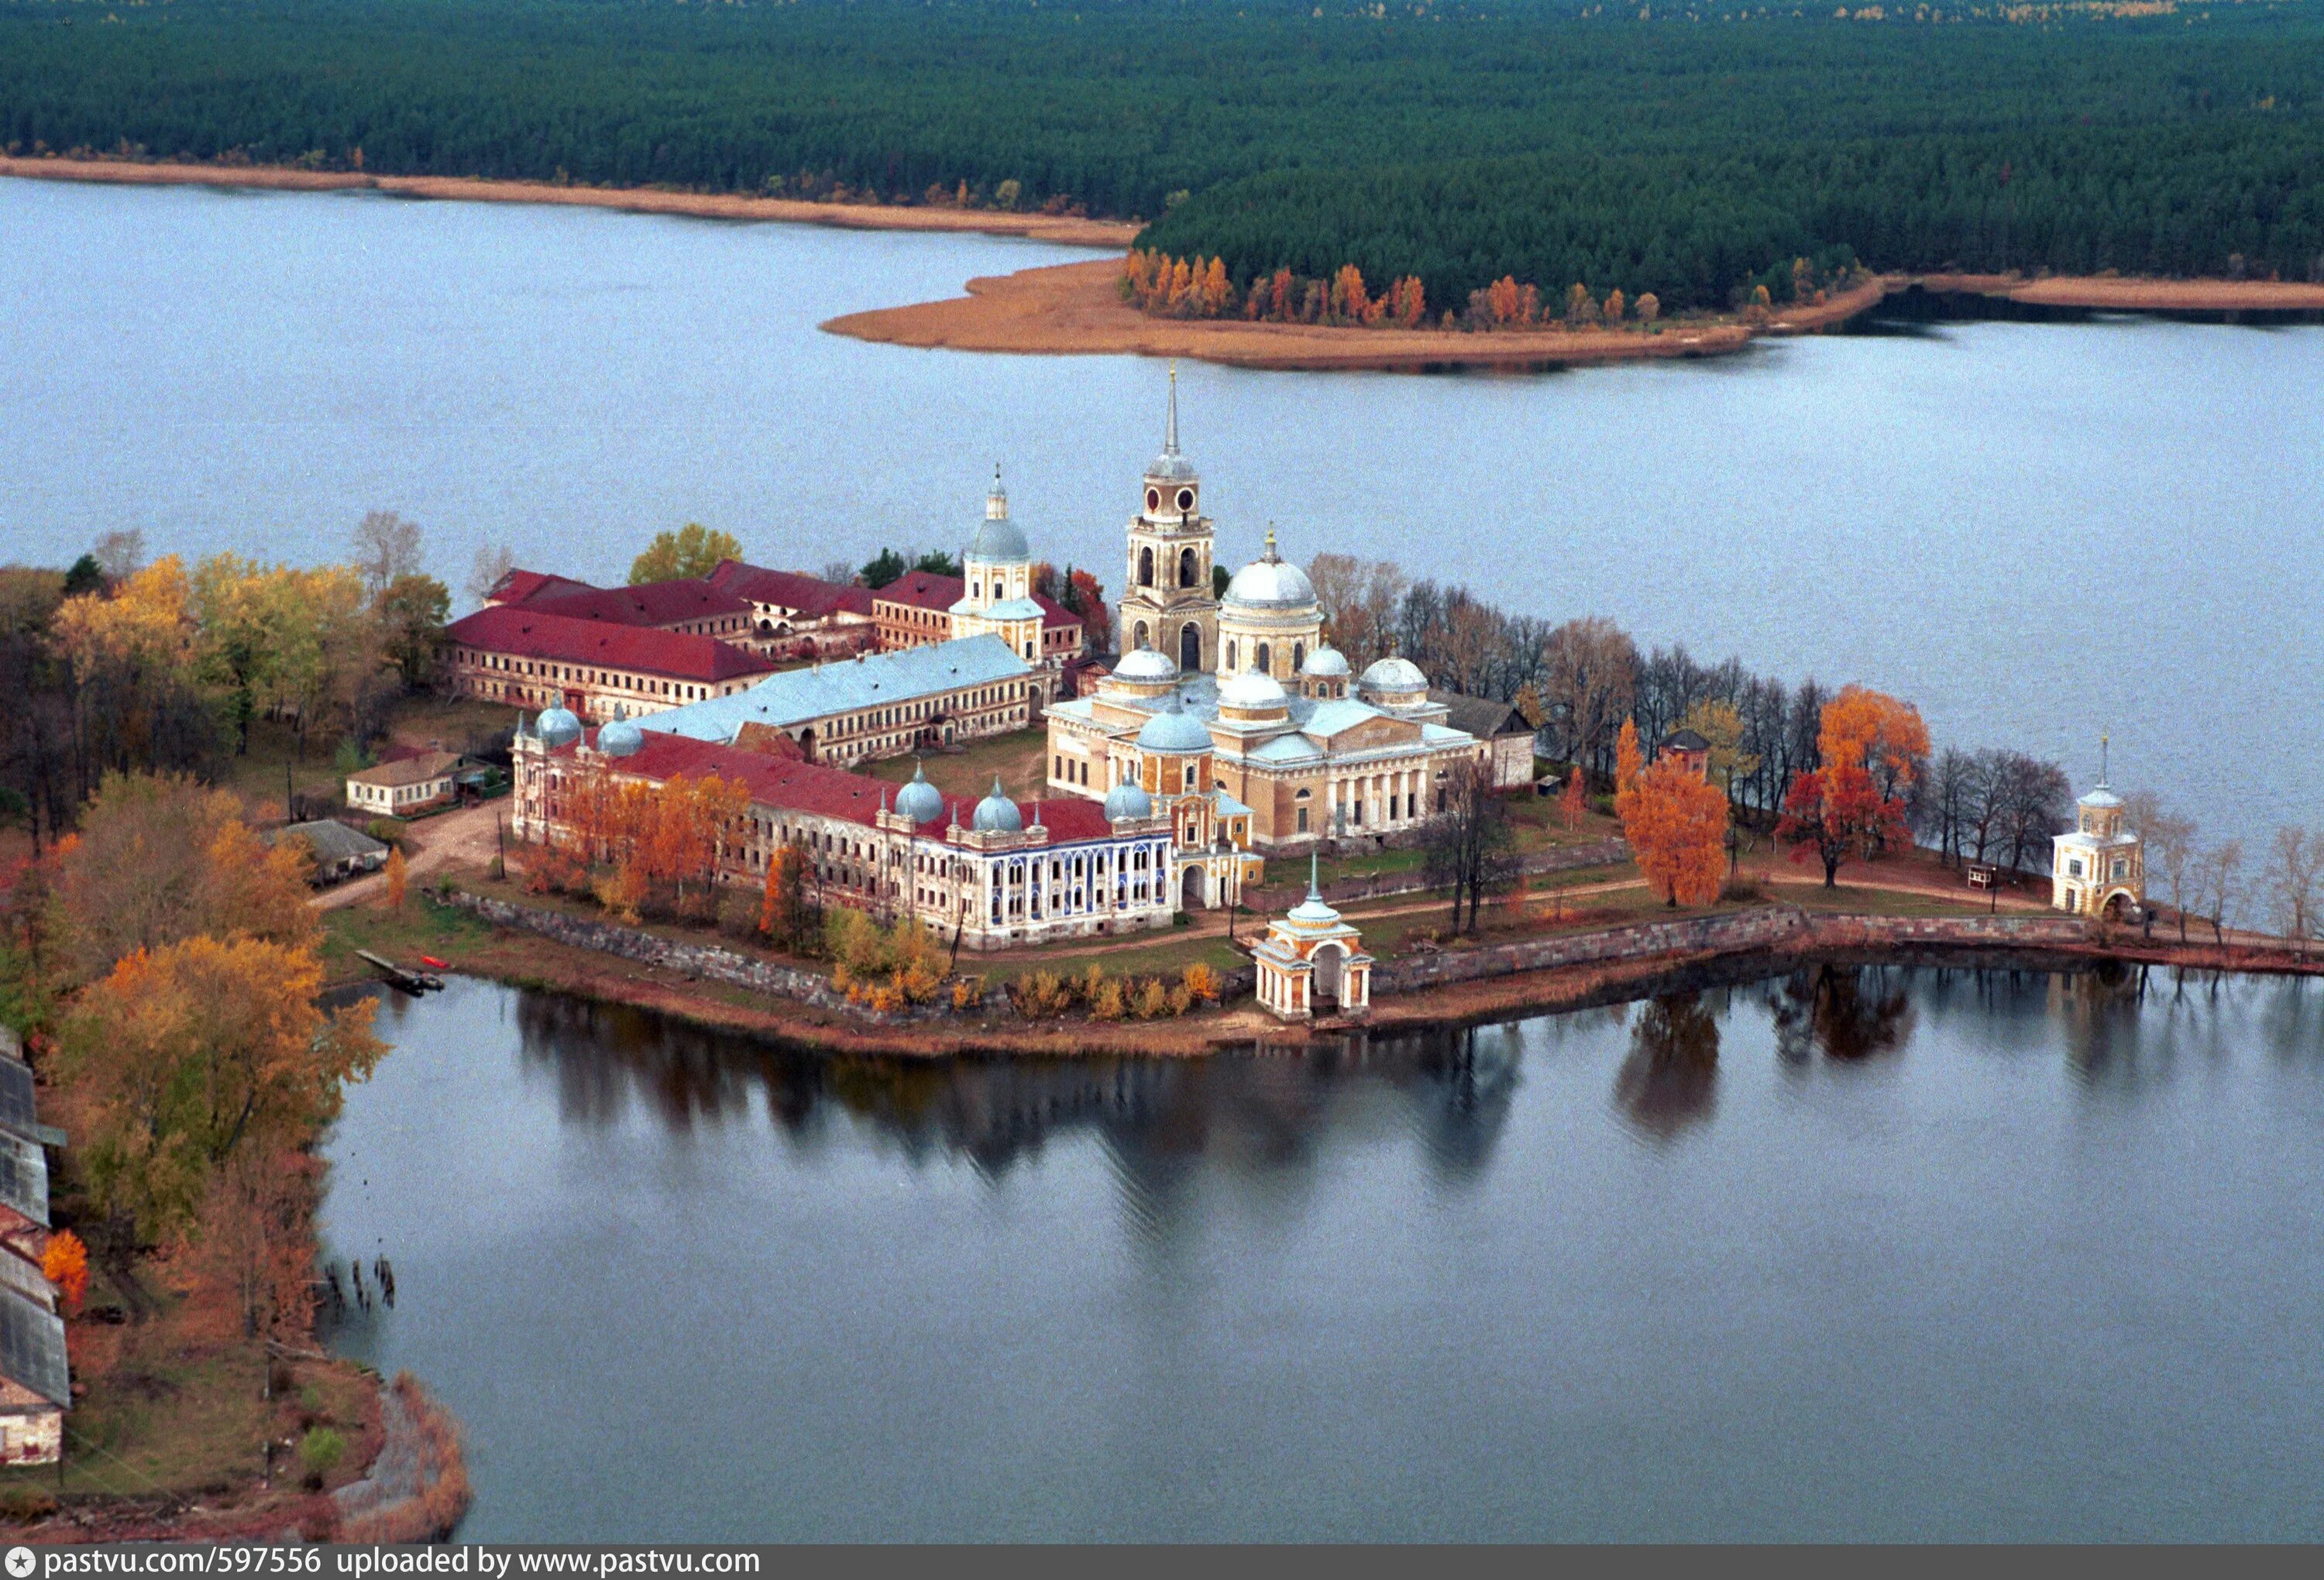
x=1236, y=708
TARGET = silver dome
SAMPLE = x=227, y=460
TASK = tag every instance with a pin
x=556, y=726
x=1326, y=662
x=1174, y=730
x=997, y=540
x=920, y=801
x=1392, y=674
x=1128, y=800
x=1146, y=664
x=997, y=814
x=1252, y=691
x=1270, y=582
x=621, y=738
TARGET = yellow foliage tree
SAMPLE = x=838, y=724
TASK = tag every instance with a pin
x=693, y=551
x=399, y=875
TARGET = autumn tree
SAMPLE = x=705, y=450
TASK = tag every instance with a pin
x=160, y=858
x=181, y=1056
x=412, y=611
x=1877, y=733
x=1361, y=597
x=491, y=566
x=398, y=875
x=1676, y=826
x=1590, y=669
x=1837, y=812
x=693, y=551
x=1630, y=762
x=786, y=912
x=65, y=1263
x=254, y=1237
x=1720, y=723
x=2296, y=872
x=1574, y=800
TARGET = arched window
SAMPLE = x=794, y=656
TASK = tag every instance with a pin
x=1188, y=567
x=1190, y=646
x=1230, y=656
x=1145, y=567
x=1298, y=656
x=1262, y=665
x=1188, y=777
x=1141, y=636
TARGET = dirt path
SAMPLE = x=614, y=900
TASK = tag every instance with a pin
x=467, y=838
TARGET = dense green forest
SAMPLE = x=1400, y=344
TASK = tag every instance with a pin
x=1687, y=153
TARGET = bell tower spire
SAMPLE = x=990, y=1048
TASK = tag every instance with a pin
x=1166, y=603
x=1170, y=423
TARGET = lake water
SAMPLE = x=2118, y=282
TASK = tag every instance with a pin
x=1909, y=1254
x=2038, y=532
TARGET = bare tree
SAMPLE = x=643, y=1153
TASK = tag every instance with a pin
x=1589, y=679
x=2297, y=869
x=1471, y=840
x=493, y=562
x=1361, y=600
x=386, y=546
x=838, y=573
x=2170, y=851
x=2220, y=870
x=120, y=555
x=1941, y=802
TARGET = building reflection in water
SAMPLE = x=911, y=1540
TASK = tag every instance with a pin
x=1268, y=1114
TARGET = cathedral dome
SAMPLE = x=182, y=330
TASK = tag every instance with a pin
x=556, y=726
x=997, y=540
x=1174, y=731
x=621, y=738
x=920, y=801
x=2100, y=797
x=1128, y=800
x=1146, y=664
x=1253, y=693
x=1392, y=674
x=1270, y=582
x=996, y=814
x=1325, y=663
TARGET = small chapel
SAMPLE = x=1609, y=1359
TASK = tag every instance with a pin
x=2099, y=867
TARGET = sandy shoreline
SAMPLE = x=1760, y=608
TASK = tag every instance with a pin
x=1043, y=227
x=1077, y=309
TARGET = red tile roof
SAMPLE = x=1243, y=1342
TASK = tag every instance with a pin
x=789, y=785
x=813, y=597
x=926, y=590
x=922, y=590
x=516, y=586
x=650, y=603
x=531, y=633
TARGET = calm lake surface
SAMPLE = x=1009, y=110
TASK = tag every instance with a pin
x=1856, y=1254
x=2037, y=531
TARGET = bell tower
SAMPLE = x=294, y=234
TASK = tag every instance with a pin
x=1166, y=602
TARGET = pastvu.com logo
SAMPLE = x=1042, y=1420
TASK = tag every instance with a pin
x=21, y=1563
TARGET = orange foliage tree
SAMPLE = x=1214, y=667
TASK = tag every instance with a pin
x=181, y=1056
x=1575, y=801
x=1837, y=812
x=65, y=1263
x=1875, y=733
x=399, y=878
x=1677, y=824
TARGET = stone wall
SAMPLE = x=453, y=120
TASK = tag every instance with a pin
x=1282, y=897
x=1774, y=927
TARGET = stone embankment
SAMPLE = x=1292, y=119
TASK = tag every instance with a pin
x=1776, y=930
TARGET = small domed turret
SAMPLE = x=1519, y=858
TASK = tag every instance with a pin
x=997, y=814
x=1175, y=731
x=920, y=801
x=556, y=726
x=1325, y=663
x=621, y=738
x=1128, y=800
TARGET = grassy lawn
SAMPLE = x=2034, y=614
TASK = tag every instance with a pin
x=1019, y=759
x=257, y=775
x=176, y=1403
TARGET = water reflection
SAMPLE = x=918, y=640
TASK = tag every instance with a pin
x=1846, y=1013
x=1669, y=1079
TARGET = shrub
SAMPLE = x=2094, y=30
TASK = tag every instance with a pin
x=621, y=892
x=1181, y=1001
x=1086, y=989
x=387, y=830
x=1107, y=1003
x=1153, y=999
x=24, y=1504
x=1201, y=983
x=1039, y=995
x=1741, y=890
x=321, y=1450
x=967, y=993
x=738, y=914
